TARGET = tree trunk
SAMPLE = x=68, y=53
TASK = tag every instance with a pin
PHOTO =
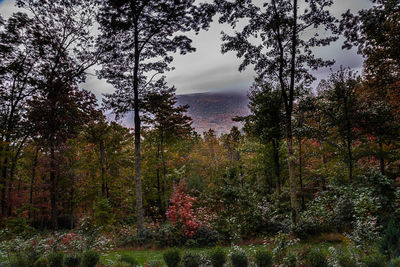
x=103, y=170
x=277, y=168
x=381, y=158
x=35, y=162
x=289, y=110
x=301, y=174
x=53, y=190
x=137, y=122
x=4, y=186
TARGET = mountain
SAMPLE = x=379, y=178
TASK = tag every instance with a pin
x=215, y=110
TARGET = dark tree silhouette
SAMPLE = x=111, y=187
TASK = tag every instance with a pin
x=278, y=41
x=138, y=37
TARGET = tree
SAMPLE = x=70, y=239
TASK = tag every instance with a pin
x=278, y=41
x=63, y=47
x=266, y=121
x=17, y=71
x=170, y=124
x=342, y=108
x=138, y=37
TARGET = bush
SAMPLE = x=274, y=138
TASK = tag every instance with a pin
x=154, y=263
x=316, y=258
x=121, y=264
x=56, y=259
x=390, y=243
x=374, y=260
x=19, y=261
x=172, y=257
x=191, y=259
x=346, y=260
x=218, y=257
x=128, y=259
x=41, y=262
x=72, y=260
x=395, y=262
x=239, y=258
x=90, y=258
x=32, y=255
x=205, y=237
x=290, y=260
x=263, y=258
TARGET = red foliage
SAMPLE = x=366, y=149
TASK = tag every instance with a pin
x=181, y=212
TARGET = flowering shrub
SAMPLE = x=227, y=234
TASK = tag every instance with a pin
x=181, y=212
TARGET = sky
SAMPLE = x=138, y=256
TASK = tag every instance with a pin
x=208, y=70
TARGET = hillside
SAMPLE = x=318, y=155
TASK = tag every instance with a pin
x=215, y=110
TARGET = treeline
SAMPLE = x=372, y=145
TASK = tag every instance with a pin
x=61, y=159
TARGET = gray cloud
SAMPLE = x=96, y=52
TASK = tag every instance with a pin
x=209, y=70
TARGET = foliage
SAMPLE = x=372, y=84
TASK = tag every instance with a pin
x=129, y=259
x=390, y=242
x=239, y=257
x=41, y=262
x=374, y=259
x=56, y=259
x=317, y=257
x=263, y=258
x=90, y=258
x=217, y=257
x=72, y=260
x=103, y=214
x=191, y=259
x=172, y=257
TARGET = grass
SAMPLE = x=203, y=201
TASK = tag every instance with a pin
x=144, y=256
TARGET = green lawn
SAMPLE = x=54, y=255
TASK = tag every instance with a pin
x=144, y=256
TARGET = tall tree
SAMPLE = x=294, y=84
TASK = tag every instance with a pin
x=278, y=41
x=266, y=122
x=170, y=124
x=64, y=48
x=138, y=37
x=17, y=71
x=342, y=109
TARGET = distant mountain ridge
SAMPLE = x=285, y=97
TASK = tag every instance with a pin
x=212, y=110
x=215, y=110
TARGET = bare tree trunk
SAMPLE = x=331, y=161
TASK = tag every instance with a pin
x=35, y=162
x=53, y=189
x=137, y=122
x=301, y=174
x=103, y=169
x=277, y=168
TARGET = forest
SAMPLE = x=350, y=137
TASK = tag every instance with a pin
x=312, y=178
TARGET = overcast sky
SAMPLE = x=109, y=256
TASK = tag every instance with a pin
x=208, y=70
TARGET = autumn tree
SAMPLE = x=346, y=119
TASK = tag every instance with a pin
x=63, y=46
x=278, y=40
x=170, y=124
x=266, y=121
x=341, y=108
x=17, y=71
x=138, y=38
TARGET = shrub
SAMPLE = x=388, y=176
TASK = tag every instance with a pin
x=103, y=214
x=374, y=260
x=56, y=259
x=154, y=263
x=390, y=243
x=128, y=259
x=90, y=258
x=121, y=264
x=191, y=259
x=19, y=261
x=72, y=260
x=316, y=258
x=239, y=258
x=290, y=260
x=205, y=236
x=218, y=257
x=263, y=258
x=345, y=259
x=172, y=257
x=32, y=255
x=41, y=262
x=395, y=262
